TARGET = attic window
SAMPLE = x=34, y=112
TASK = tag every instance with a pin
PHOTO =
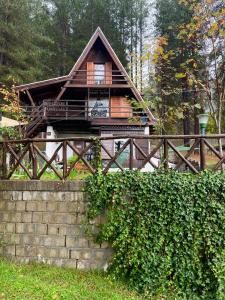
x=99, y=73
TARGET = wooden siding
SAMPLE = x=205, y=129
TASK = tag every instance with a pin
x=90, y=72
x=120, y=108
x=108, y=73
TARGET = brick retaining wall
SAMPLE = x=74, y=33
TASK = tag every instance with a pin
x=45, y=221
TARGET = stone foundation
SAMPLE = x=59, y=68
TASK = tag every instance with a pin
x=45, y=221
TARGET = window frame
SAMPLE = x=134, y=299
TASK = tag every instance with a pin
x=99, y=75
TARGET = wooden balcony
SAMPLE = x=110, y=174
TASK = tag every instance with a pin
x=99, y=79
x=83, y=110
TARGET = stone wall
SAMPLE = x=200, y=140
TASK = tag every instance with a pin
x=45, y=221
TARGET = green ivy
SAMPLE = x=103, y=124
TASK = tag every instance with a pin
x=10, y=132
x=167, y=230
x=97, y=161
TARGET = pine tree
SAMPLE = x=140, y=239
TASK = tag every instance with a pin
x=170, y=17
x=20, y=56
x=43, y=38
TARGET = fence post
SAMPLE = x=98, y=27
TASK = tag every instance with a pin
x=34, y=162
x=2, y=161
x=64, y=159
x=202, y=154
x=97, y=154
x=131, y=154
x=165, y=154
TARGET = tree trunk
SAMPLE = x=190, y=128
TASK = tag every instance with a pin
x=219, y=130
x=136, y=49
x=141, y=45
x=131, y=47
x=186, y=127
x=196, y=123
x=186, y=120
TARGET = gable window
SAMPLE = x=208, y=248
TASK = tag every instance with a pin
x=99, y=73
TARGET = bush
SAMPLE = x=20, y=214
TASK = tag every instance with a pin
x=167, y=230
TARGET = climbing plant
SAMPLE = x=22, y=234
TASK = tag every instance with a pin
x=167, y=230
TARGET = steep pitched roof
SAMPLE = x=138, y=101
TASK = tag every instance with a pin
x=99, y=34
x=41, y=83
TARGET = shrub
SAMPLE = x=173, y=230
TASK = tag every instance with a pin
x=167, y=230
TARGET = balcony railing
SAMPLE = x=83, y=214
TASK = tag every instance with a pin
x=85, y=110
x=99, y=77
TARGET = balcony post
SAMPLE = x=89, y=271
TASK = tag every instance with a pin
x=110, y=113
x=45, y=110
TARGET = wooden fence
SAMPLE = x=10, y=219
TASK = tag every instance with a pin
x=28, y=156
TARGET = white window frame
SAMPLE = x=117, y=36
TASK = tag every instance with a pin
x=99, y=73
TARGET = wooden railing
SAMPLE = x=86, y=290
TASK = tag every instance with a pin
x=28, y=158
x=96, y=78
x=35, y=116
x=82, y=110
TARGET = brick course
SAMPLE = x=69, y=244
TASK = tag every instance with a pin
x=46, y=222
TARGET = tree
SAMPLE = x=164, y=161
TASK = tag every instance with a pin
x=208, y=28
x=172, y=56
x=19, y=40
x=42, y=38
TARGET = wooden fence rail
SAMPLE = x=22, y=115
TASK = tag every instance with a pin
x=28, y=158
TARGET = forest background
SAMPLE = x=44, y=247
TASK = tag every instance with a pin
x=174, y=50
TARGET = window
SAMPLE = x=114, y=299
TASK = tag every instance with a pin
x=99, y=73
x=99, y=108
x=123, y=158
x=118, y=144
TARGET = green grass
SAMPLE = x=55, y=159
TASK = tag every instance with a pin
x=35, y=281
x=75, y=174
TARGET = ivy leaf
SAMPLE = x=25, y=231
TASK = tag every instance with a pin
x=197, y=106
x=180, y=75
x=180, y=115
x=167, y=231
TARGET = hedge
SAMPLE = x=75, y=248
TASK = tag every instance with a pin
x=167, y=230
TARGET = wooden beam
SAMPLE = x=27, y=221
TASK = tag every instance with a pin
x=63, y=89
x=37, y=84
x=99, y=85
x=187, y=162
x=30, y=98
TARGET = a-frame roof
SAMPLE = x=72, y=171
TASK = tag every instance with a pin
x=97, y=34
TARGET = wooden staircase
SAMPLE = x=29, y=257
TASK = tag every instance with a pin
x=37, y=118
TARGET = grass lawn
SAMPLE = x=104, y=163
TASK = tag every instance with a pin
x=46, y=282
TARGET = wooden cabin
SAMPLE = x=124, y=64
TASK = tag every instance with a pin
x=95, y=98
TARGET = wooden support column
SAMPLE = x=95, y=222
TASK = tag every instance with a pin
x=3, y=167
x=87, y=104
x=110, y=103
x=18, y=96
x=30, y=98
x=63, y=89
